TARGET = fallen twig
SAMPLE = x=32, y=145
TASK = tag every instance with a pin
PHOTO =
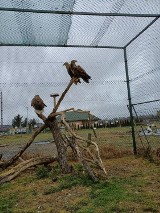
x=15, y=171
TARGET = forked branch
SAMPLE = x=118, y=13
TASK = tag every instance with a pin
x=97, y=160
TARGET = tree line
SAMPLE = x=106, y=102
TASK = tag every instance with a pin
x=18, y=121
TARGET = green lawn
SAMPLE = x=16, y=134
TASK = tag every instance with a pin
x=132, y=185
x=117, y=136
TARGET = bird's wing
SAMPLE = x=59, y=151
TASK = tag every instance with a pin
x=37, y=103
x=40, y=101
x=82, y=72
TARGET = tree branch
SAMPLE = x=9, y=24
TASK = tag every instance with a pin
x=15, y=171
x=63, y=94
x=4, y=165
x=99, y=160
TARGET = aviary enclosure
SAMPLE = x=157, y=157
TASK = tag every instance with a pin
x=116, y=42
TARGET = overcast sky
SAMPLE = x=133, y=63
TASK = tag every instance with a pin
x=27, y=71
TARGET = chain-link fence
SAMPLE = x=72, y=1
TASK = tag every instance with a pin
x=97, y=39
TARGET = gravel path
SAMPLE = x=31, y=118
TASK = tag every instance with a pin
x=42, y=149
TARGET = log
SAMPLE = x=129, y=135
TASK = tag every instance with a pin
x=97, y=158
x=60, y=145
x=15, y=171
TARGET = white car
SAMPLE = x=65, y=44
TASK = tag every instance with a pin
x=157, y=132
x=145, y=132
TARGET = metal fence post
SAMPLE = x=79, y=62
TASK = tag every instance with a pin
x=130, y=103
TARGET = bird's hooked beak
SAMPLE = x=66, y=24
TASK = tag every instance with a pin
x=65, y=63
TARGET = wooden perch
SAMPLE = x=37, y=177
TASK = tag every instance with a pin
x=61, y=146
x=15, y=171
x=85, y=165
x=98, y=159
x=54, y=114
x=63, y=94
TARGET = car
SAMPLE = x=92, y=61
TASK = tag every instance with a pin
x=145, y=132
x=157, y=132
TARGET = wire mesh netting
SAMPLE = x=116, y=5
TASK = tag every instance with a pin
x=32, y=71
x=144, y=67
x=102, y=104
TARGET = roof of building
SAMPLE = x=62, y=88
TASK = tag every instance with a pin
x=5, y=128
x=79, y=115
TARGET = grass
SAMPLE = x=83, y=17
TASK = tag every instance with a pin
x=132, y=185
x=24, y=138
x=117, y=136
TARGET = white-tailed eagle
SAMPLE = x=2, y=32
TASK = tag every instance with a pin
x=77, y=72
x=69, y=68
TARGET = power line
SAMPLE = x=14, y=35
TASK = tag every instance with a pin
x=25, y=84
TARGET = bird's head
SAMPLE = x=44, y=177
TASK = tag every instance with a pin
x=73, y=61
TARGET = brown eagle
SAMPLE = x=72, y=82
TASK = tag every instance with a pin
x=79, y=72
x=38, y=104
x=69, y=68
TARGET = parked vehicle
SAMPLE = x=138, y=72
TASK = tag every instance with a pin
x=21, y=130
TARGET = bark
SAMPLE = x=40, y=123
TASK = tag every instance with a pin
x=63, y=95
x=15, y=171
x=96, y=157
x=60, y=145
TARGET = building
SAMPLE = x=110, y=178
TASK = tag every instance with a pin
x=5, y=129
x=78, y=119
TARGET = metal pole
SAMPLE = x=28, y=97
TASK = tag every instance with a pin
x=146, y=102
x=54, y=95
x=130, y=103
x=27, y=120
x=65, y=45
x=62, y=12
x=1, y=111
x=141, y=31
x=54, y=101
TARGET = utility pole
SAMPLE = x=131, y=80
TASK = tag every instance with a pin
x=1, y=111
x=27, y=120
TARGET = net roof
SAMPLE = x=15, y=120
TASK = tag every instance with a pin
x=74, y=22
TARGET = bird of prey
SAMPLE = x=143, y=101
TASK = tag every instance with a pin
x=79, y=72
x=38, y=104
x=70, y=72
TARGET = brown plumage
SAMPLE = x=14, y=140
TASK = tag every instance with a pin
x=38, y=104
x=79, y=72
x=69, y=68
